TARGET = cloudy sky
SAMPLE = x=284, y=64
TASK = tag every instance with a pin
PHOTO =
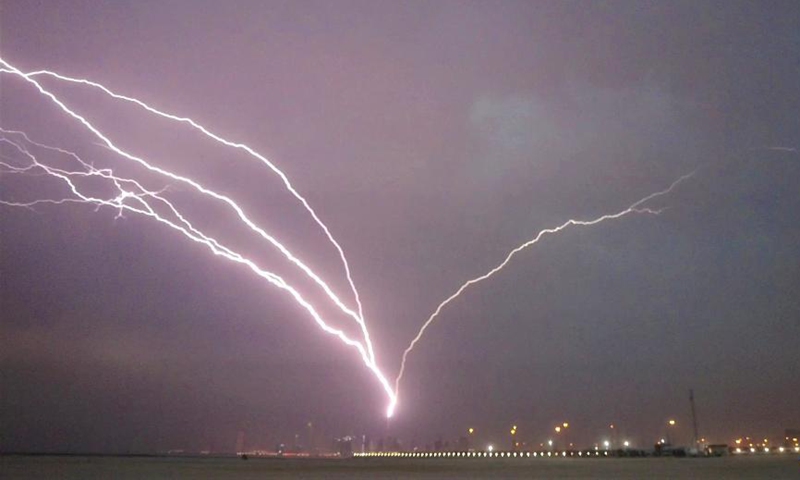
x=432, y=138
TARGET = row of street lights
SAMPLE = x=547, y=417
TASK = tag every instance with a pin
x=561, y=430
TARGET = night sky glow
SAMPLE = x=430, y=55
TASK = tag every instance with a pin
x=431, y=143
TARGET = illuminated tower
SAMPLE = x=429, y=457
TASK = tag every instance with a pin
x=694, y=418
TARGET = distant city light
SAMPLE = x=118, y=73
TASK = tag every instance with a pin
x=606, y=443
x=490, y=448
x=565, y=425
x=672, y=422
x=558, y=429
x=626, y=443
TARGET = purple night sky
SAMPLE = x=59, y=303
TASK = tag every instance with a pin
x=432, y=138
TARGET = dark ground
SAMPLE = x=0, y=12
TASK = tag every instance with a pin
x=74, y=467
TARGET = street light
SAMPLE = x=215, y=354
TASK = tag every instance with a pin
x=563, y=427
x=613, y=434
x=670, y=423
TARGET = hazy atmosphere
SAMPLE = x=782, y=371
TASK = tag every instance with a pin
x=431, y=138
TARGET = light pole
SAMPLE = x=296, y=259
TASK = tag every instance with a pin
x=513, y=437
x=671, y=423
x=562, y=428
x=612, y=434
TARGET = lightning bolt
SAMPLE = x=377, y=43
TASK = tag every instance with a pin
x=133, y=197
x=130, y=196
x=633, y=208
x=359, y=317
x=182, y=225
x=365, y=349
x=239, y=146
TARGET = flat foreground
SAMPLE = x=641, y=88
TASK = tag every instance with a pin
x=75, y=467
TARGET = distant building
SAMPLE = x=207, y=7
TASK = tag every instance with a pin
x=392, y=444
x=344, y=446
x=463, y=444
x=717, y=450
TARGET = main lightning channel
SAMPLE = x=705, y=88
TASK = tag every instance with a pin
x=187, y=230
x=241, y=146
x=633, y=208
x=183, y=226
x=359, y=316
x=366, y=349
